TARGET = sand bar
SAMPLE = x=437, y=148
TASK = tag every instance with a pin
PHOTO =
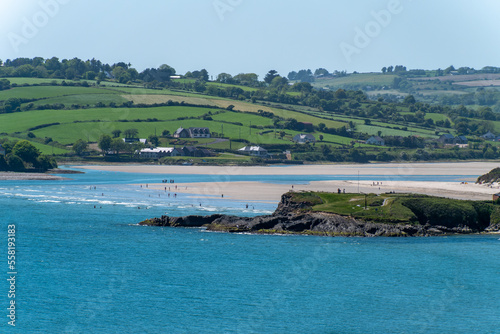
x=270, y=192
x=452, y=168
x=260, y=191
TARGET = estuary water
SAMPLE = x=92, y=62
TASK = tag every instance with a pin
x=83, y=265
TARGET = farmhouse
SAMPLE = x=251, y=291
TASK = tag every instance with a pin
x=181, y=133
x=304, y=138
x=2, y=150
x=159, y=152
x=461, y=140
x=488, y=136
x=375, y=140
x=254, y=150
x=199, y=132
x=447, y=139
x=192, y=133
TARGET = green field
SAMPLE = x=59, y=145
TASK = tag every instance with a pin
x=356, y=80
x=40, y=92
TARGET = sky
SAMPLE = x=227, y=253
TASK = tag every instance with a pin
x=255, y=36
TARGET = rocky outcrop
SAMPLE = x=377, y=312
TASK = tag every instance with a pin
x=297, y=218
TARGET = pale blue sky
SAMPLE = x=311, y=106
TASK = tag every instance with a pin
x=256, y=35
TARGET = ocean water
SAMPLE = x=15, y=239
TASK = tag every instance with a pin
x=83, y=265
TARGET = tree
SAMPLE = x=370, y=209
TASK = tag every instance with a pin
x=270, y=76
x=325, y=150
x=79, y=147
x=4, y=84
x=390, y=68
x=321, y=72
x=12, y=105
x=15, y=163
x=116, y=133
x=321, y=137
x=117, y=145
x=26, y=151
x=282, y=134
x=131, y=133
x=165, y=133
x=409, y=99
x=384, y=69
x=225, y=78
x=45, y=163
x=104, y=143
x=154, y=140
x=3, y=163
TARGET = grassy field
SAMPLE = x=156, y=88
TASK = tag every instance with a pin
x=402, y=208
x=83, y=99
x=361, y=79
x=40, y=92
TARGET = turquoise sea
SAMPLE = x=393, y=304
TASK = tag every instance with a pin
x=83, y=265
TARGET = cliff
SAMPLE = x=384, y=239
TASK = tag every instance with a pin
x=295, y=215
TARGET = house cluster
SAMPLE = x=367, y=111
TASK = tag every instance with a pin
x=192, y=133
x=160, y=152
x=451, y=139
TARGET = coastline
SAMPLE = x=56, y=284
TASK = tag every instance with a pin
x=389, y=169
x=13, y=176
x=271, y=192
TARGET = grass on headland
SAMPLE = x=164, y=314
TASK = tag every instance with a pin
x=403, y=208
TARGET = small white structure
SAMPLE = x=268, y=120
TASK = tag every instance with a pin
x=2, y=150
x=158, y=152
x=254, y=150
x=134, y=140
x=304, y=138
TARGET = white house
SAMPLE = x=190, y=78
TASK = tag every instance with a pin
x=254, y=150
x=158, y=152
x=304, y=138
x=375, y=140
x=2, y=150
x=199, y=132
x=192, y=133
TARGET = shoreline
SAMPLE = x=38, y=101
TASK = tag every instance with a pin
x=389, y=169
x=254, y=191
x=14, y=176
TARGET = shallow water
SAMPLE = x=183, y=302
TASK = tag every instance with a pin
x=82, y=269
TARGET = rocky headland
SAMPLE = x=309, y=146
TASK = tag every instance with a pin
x=297, y=217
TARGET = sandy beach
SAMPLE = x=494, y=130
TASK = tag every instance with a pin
x=453, y=168
x=222, y=187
